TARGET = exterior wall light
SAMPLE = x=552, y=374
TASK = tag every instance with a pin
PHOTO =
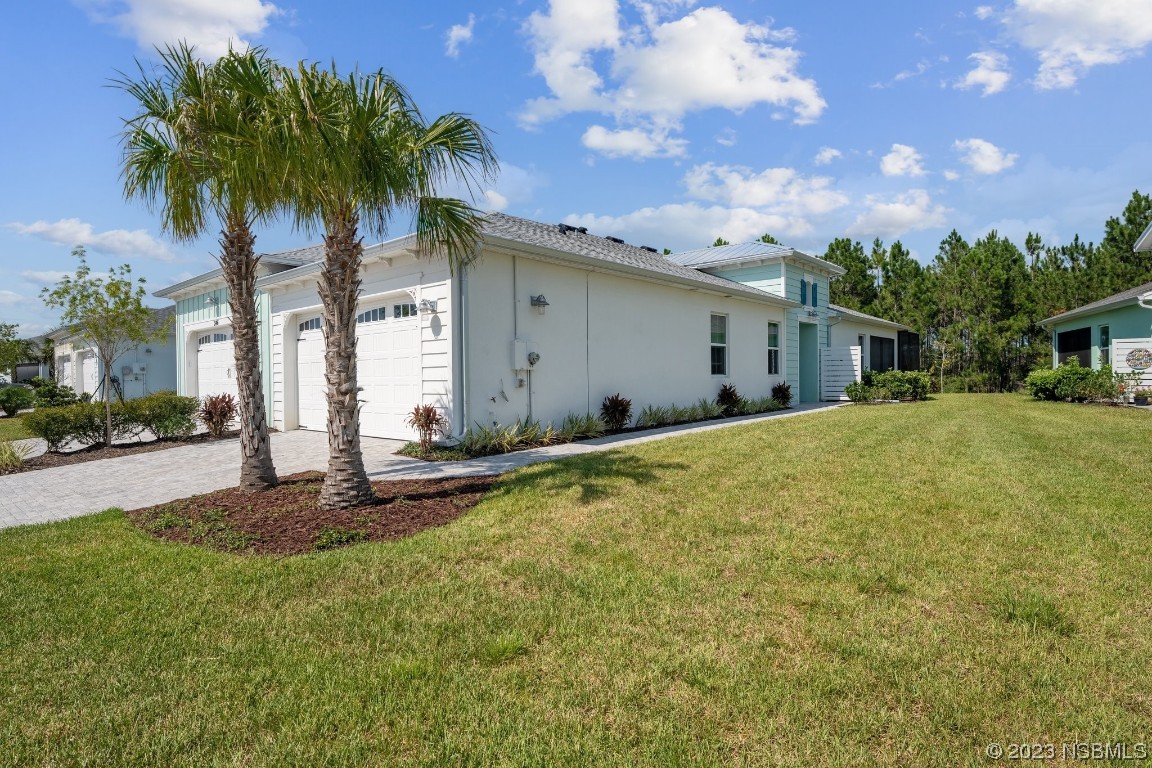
x=211, y=301
x=540, y=303
x=427, y=305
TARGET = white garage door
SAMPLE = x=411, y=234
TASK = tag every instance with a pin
x=215, y=365
x=89, y=373
x=388, y=370
x=313, y=413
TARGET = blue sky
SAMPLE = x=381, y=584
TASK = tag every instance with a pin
x=665, y=122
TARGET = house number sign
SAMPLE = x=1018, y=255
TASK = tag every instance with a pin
x=1139, y=359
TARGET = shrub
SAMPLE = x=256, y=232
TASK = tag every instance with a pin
x=12, y=455
x=782, y=393
x=331, y=538
x=583, y=427
x=427, y=421
x=1072, y=382
x=217, y=412
x=616, y=411
x=903, y=385
x=729, y=400
x=654, y=416
x=52, y=425
x=709, y=409
x=166, y=414
x=15, y=399
x=858, y=392
x=49, y=394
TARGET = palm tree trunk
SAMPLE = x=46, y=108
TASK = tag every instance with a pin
x=346, y=482
x=238, y=260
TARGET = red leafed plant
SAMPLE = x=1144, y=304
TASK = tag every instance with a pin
x=427, y=421
x=217, y=412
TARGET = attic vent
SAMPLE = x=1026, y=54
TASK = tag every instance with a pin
x=615, y=239
x=565, y=229
x=582, y=230
x=649, y=248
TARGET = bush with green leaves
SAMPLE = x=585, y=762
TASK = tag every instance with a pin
x=1072, y=382
x=49, y=394
x=16, y=398
x=616, y=411
x=52, y=425
x=654, y=416
x=165, y=414
x=82, y=423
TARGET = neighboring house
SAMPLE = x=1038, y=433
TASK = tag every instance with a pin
x=30, y=369
x=148, y=368
x=1116, y=330
x=549, y=321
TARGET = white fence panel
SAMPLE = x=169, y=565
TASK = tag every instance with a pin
x=840, y=367
x=1133, y=356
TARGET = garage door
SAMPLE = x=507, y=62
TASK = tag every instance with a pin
x=89, y=373
x=215, y=364
x=64, y=370
x=388, y=370
x=313, y=413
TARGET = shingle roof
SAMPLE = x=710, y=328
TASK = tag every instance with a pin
x=297, y=256
x=572, y=240
x=722, y=255
x=1116, y=298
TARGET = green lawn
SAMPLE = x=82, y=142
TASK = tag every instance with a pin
x=888, y=585
x=12, y=428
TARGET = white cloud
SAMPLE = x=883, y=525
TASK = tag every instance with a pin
x=990, y=73
x=951, y=175
x=903, y=160
x=636, y=143
x=210, y=25
x=737, y=202
x=1071, y=36
x=11, y=297
x=984, y=157
x=494, y=201
x=654, y=73
x=984, y=11
x=726, y=138
x=458, y=35
x=119, y=242
x=49, y=277
x=781, y=191
x=826, y=155
x=907, y=212
x=908, y=74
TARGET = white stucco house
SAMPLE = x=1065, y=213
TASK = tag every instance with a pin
x=140, y=371
x=549, y=321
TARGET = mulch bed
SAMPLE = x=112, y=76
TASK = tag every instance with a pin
x=97, y=452
x=287, y=520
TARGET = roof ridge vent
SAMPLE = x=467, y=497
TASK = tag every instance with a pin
x=649, y=248
x=566, y=228
x=614, y=239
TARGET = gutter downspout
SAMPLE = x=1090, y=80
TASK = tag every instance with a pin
x=460, y=284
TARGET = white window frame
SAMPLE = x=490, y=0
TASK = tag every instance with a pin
x=774, y=350
x=713, y=345
x=405, y=310
x=311, y=324
x=373, y=315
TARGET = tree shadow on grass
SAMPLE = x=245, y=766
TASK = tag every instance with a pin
x=595, y=474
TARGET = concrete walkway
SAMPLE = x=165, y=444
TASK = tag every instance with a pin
x=144, y=479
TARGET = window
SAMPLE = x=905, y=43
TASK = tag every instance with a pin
x=862, y=340
x=1105, y=345
x=719, y=345
x=773, y=349
x=881, y=354
x=803, y=291
x=214, y=338
x=908, y=350
x=404, y=310
x=1075, y=344
x=373, y=315
x=311, y=324
x=815, y=289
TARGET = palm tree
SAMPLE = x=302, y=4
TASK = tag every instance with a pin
x=360, y=152
x=197, y=145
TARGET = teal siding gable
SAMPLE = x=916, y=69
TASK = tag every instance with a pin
x=766, y=277
x=196, y=309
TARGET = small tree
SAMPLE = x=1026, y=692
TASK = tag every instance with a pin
x=12, y=349
x=106, y=313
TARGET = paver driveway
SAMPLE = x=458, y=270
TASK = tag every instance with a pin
x=151, y=478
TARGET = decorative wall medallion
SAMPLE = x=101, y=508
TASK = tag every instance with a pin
x=1139, y=359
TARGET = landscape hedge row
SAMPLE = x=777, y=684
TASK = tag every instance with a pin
x=166, y=414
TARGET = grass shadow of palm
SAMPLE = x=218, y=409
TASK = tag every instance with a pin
x=597, y=475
